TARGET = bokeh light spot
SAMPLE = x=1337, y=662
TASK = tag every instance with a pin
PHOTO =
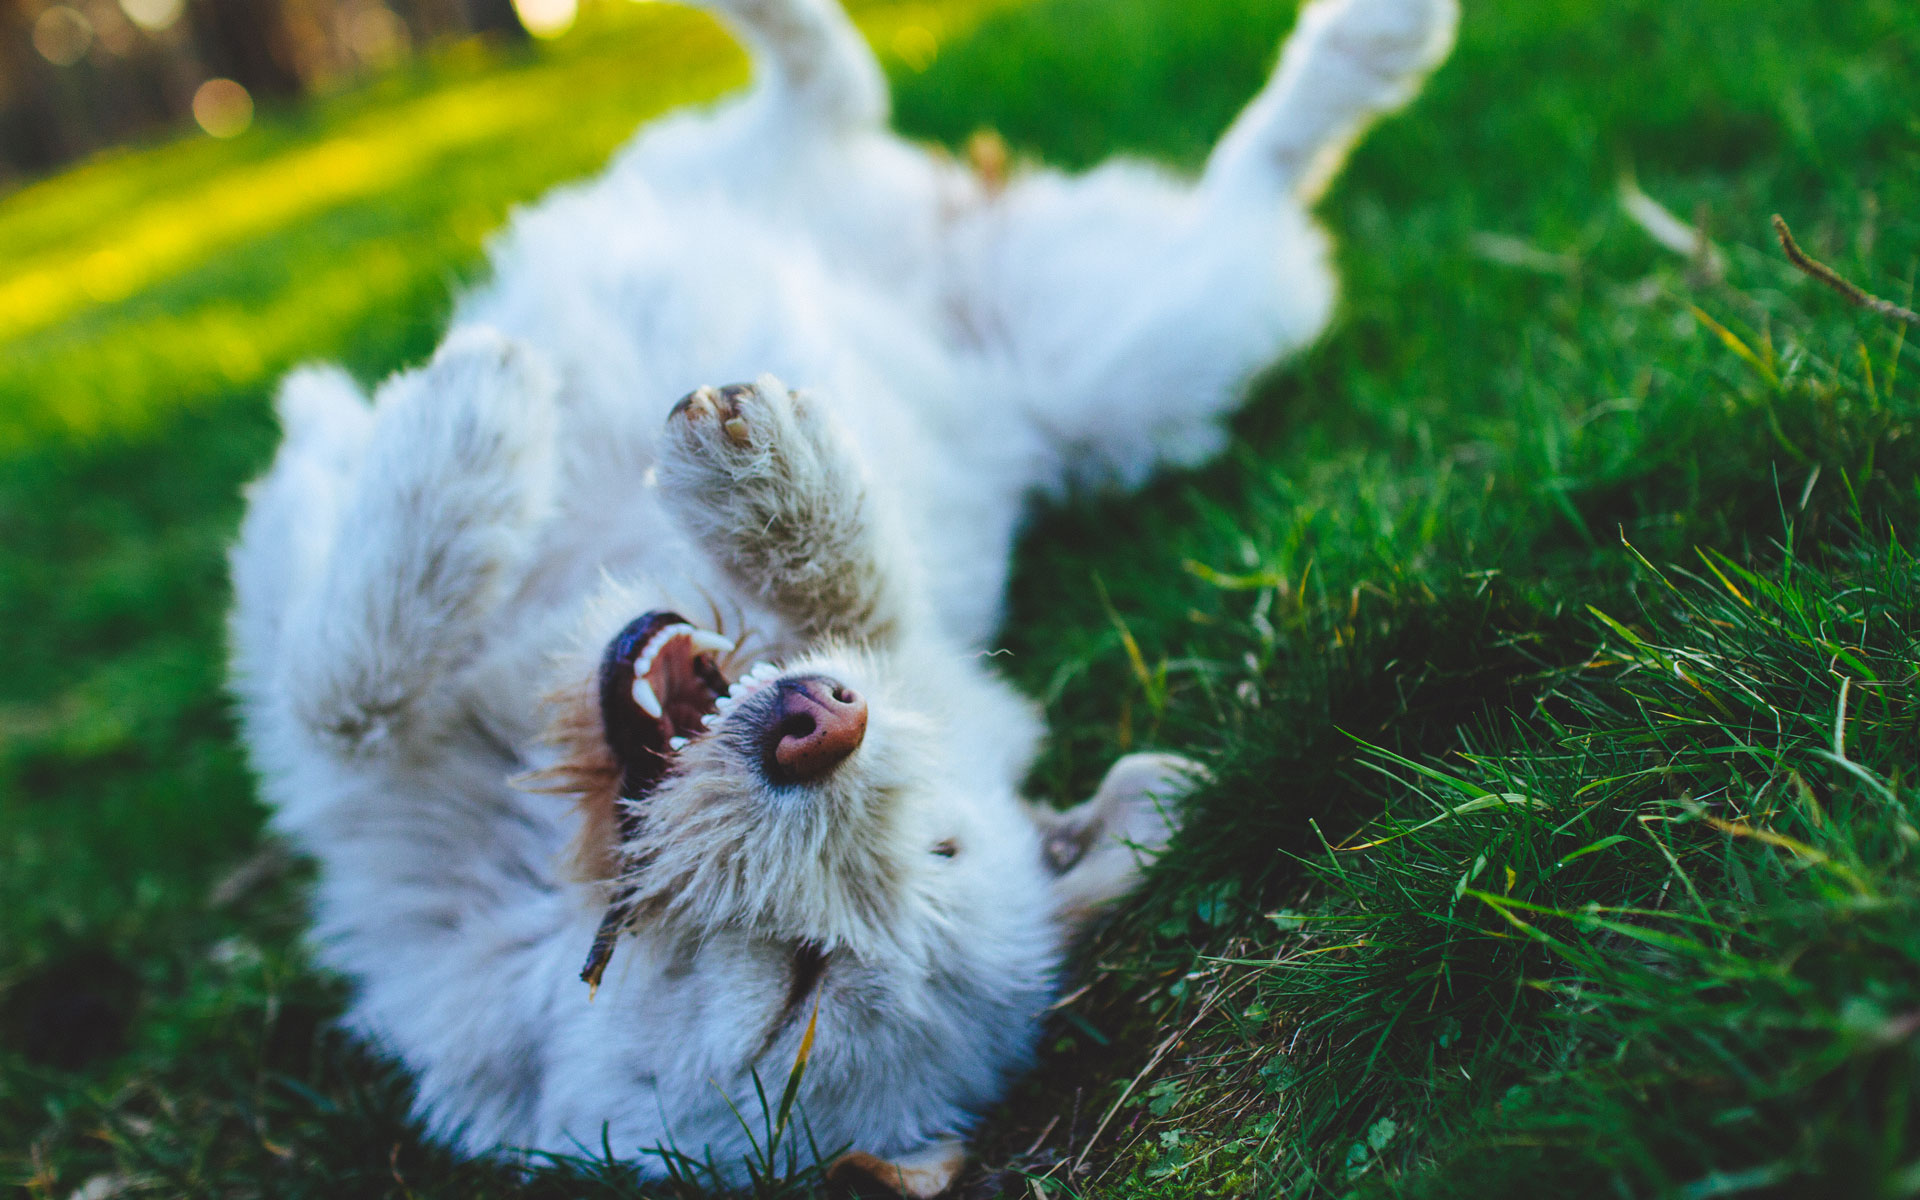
x=223, y=108
x=62, y=35
x=152, y=15
x=376, y=35
x=547, y=18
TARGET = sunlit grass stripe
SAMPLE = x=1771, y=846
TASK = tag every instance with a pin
x=379, y=152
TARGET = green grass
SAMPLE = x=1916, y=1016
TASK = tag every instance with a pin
x=1518, y=625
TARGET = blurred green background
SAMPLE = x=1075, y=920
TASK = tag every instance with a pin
x=1550, y=626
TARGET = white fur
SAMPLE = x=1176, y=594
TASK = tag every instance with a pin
x=411, y=570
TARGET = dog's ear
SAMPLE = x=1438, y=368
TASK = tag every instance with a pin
x=919, y=1175
x=588, y=771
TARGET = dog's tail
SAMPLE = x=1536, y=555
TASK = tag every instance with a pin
x=810, y=60
x=1347, y=63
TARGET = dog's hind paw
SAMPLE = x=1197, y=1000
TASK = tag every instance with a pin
x=1100, y=849
x=917, y=1175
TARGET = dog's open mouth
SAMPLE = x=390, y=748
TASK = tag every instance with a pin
x=664, y=682
x=660, y=680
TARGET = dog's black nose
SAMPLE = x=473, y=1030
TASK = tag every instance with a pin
x=814, y=724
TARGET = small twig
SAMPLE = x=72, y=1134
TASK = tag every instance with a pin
x=1850, y=292
x=1041, y=1140
x=263, y=866
x=1070, y=997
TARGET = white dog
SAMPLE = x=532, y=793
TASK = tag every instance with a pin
x=828, y=854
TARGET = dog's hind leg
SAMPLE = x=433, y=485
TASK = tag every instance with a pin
x=1347, y=63
x=813, y=63
x=428, y=532
x=1139, y=309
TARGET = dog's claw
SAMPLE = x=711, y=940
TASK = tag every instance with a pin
x=699, y=403
x=722, y=404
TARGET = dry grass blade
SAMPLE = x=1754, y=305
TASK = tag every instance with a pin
x=799, y=1070
x=1659, y=223
x=1849, y=291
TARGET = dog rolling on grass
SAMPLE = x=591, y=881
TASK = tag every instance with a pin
x=642, y=744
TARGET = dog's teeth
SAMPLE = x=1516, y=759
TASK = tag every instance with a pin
x=644, y=697
x=703, y=639
x=660, y=639
x=678, y=743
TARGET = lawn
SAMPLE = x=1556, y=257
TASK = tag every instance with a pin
x=1552, y=627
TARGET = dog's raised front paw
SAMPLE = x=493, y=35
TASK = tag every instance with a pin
x=762, y=480
x=738, y=456
x=432, y=535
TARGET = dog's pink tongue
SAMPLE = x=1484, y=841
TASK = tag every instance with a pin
x=818, y=723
